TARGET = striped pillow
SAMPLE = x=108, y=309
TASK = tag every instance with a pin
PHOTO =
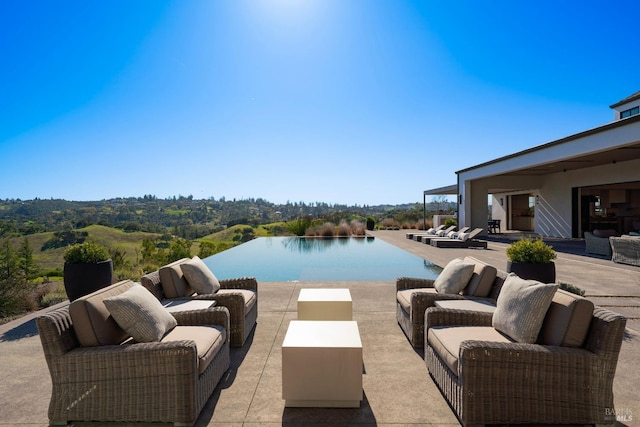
x=140, y=314
x=521, y=308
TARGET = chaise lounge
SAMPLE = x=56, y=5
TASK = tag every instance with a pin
x=464, y=240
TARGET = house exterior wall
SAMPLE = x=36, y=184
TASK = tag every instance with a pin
x=554, y=202
x=553, y=210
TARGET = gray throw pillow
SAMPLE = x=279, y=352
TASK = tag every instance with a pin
x=140, y=314
x=200, y=277
x=454, y=277
x=521, y=308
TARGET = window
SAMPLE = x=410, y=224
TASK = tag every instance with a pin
x=630, y=112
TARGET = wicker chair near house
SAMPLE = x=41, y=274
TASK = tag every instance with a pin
x=100, y=374
x=597, y=242
x=239, y=295
x=564, y=377
x=626, y=250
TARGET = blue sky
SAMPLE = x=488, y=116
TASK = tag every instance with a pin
x=338, y=101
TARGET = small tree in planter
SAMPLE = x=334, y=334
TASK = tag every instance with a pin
x=532, y=259
x=87, y=268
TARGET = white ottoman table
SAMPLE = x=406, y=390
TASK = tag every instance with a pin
x=322, y=364
x=325, y=304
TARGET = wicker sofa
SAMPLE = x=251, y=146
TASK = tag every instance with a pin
x=415, y=295
x=240, y=296
x=566, y=377
x=100, y=374
x=626, y=250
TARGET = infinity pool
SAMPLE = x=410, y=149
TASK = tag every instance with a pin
x=297, y=259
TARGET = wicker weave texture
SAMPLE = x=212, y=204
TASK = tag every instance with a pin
x=503, y=383
x=413, y=322
x=596, y=245
x=626, y=250
x=242, y=320
x=142, y=382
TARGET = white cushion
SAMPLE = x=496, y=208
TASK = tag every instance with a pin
x=521, y=308
x=463, y=236
x=431, y=231
x=200, y=277
x=454, y=277
x=140, y=314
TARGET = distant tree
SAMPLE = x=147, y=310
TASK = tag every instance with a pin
x=179, y=248
x=12, y=289
x=27, y=266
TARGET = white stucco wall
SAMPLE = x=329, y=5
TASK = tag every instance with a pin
x=553, y=212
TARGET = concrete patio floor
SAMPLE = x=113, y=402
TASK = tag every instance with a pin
x=397, y=387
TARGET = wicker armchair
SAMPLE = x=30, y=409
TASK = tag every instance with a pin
x=239, y=295
x=415, y=295
x=626, y=250
x=515, y=383
x=596, y=245
x=139, y=382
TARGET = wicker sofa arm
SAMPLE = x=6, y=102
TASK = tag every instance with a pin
x=249, y=283
x=211, y=316
x=403, y=283
x=436, y=316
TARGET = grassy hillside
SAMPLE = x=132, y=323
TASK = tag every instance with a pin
x=131, y=242
x=106, y=236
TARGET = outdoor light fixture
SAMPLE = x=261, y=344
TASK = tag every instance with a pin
x=501, y=201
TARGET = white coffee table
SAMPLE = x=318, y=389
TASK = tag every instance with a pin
x=322, y=364
x=325, y=304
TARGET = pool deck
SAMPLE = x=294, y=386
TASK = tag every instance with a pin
x=397, y=387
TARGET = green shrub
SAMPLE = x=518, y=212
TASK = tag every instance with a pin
x=85, y=253
x=299, y=226
x=571, y=288
x=449, y=222
x=531, y=251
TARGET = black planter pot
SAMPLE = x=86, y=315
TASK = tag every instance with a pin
x=545, y=273
x=82, y=279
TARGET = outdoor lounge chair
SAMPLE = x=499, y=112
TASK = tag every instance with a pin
x=99, y=374
x=468, y=241
x=429, y=231
x=564, y=377
x=452, y=234
x=240, y=296
x=440, y=233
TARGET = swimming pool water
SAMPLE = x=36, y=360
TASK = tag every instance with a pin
x=283, y=259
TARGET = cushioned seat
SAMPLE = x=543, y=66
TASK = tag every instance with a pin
x=446, y=341
x=209, y=340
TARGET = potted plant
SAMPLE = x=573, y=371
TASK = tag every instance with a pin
x=370, y=223
x=532, y=259
x=87, y=268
